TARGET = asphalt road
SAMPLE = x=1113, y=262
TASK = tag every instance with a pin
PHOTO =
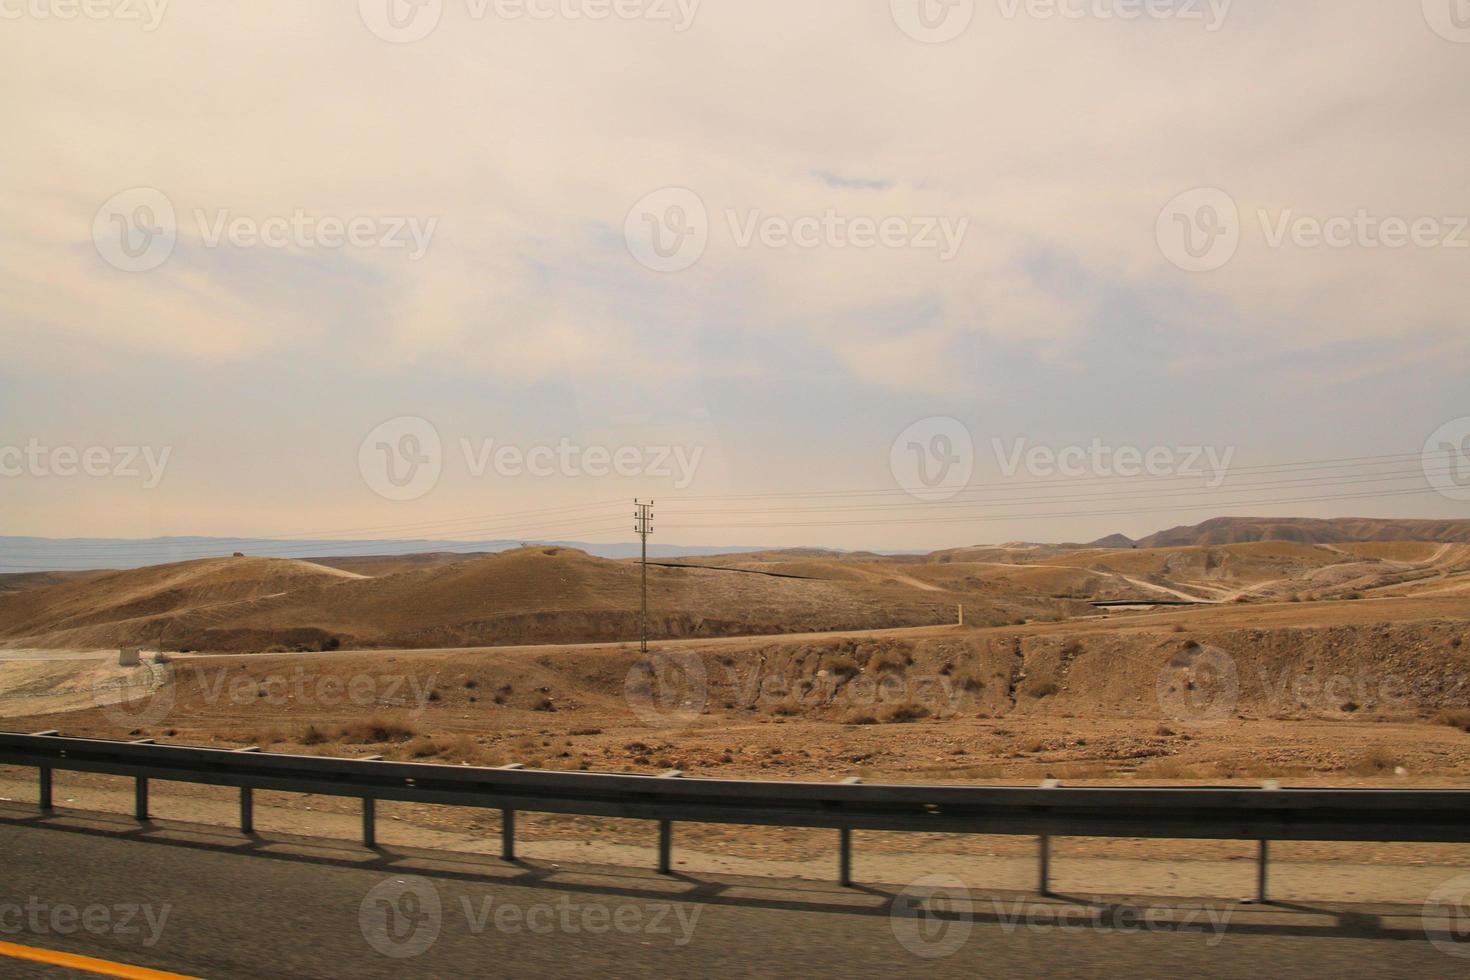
x=205, y=902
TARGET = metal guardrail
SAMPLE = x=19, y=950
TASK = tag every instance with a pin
x=1202, y=813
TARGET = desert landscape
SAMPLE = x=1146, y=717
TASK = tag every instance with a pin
x=1262, y=654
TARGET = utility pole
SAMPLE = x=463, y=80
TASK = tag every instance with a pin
x=644, y=527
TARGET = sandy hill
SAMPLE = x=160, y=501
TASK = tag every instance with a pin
x=530, y=595
x=150, y=595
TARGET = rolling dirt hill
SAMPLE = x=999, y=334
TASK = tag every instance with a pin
x=128, y=607
x=531, y=595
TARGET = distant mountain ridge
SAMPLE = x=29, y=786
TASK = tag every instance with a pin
x=27, y=554
x=1302, y=530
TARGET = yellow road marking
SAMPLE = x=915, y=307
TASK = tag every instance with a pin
x=86, y=963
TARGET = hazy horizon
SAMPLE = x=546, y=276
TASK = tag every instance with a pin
x=304, y=269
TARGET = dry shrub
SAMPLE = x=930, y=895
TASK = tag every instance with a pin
x=787, y=708
x=970, y=681
x=1378, y=758
x=860, y=717
x=1455, y=718
x=899, y=714
x=1041, y=689
x=377, y=728
x=312, y=735
x=841, y=665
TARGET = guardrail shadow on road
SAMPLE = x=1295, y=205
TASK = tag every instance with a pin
x=992, y=908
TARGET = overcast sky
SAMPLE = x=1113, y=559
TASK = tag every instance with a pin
x=309, y=258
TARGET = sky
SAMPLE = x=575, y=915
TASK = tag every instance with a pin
x=888, y=274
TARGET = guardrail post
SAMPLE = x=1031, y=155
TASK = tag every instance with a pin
x=507, y=835
x=1043, y=886
x=140, y=799
x=1263, y=856
x=665, y=846
x=508, y=825
x=247, y=800
x=369, y=822
x=43, y=795
x=666, y=835
x=844, y=845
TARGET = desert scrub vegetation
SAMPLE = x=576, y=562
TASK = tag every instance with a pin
x=372, y=730
x=899, y=714
x=1041, y=689
x=1455, y=718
